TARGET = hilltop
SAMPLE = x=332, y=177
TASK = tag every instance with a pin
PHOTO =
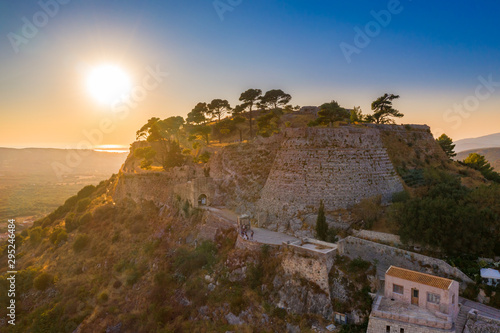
x=156, y=247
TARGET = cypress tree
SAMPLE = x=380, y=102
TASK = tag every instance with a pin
x=321, y=225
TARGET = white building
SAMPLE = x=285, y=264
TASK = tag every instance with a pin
x=490, y=276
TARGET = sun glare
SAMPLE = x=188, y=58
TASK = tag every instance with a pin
x=108, y=83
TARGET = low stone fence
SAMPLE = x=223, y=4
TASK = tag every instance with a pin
x=446, y=323
x=378, y=236
x=246, y=244
x=477, y=323
x=385, y=256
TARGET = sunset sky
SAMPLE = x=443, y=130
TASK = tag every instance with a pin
x=435, y=55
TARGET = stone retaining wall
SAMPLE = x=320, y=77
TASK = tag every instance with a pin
x=480, y=324
x=378, y=325
x=385, y=256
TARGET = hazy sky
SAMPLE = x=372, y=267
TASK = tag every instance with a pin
x=442, y=58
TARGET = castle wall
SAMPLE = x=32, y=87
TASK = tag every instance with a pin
x=340, y=166
x=385, y=256
x=310, y=266
x=188, y=183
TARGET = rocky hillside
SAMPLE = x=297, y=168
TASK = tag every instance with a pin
x=103, y=262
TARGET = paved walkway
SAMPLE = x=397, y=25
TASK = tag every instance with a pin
x=482, y=309
x=261, y=235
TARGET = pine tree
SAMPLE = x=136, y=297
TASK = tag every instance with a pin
x=447, y=144
x=321, y=225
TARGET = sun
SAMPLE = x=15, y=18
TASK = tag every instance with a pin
x=108, y=84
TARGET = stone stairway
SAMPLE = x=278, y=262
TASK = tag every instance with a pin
x=461, y=319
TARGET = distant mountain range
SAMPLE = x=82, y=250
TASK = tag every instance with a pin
x=44, y=161
x=487, y=141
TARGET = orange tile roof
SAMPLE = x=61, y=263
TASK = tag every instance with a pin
x=427, y=279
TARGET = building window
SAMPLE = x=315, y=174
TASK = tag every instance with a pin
x=433, y=298
x=388, y=329
x=401, y=330
x=397, y=289
x=453, y=299
x=340, y=318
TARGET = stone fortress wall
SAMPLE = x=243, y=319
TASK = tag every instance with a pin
x=385, y=256
x=340, y=166
x=279, y=181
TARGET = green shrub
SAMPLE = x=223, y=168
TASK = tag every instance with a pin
x=358, y=265
x=82, y=204
x=85, y=218
x=43, y=281
x=36, y=235
x=103, y=213
x=86, y=191
x=187, y=262
x=70, y=222
x=62, y=237
x=132, y=277
x=81, y=243
x=103, y=297
x=58, y=236
x=280, y=313
x=402, y=196
x=205, y=157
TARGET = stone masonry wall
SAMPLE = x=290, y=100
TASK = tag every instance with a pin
x=385, y=256
x=312, y=268
x=379, y=325
x=340, y=166
x=161, y=187
x=481, y=324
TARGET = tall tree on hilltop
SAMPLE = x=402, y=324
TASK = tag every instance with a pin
x=321, y=225
x=218, y=107
x=356, y=115
x=198, y=119
x=383, y=110
x=198, y=115
x=274, y=99
x=331, y=112
x=160, y=132
x=447, y=144
x=146, y=130
x=238, y=119
x=249, y=99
